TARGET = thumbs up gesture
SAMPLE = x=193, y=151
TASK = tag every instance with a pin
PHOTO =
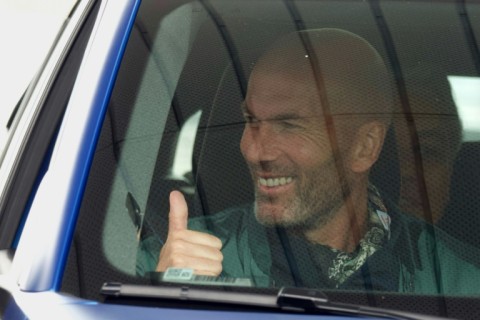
x=186, y=248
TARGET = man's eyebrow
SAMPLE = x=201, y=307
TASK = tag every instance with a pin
x=282, y=116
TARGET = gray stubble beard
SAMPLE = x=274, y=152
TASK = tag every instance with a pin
x=315, y=203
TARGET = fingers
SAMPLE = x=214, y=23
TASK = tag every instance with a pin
x=188, y=249
x=196, y=237
x=200, y=266
x=180, y=253
x=193, y=250
x=200, y=251
x=178, y=215
x=178, y=220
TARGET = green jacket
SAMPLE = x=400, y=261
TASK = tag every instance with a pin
x=417, y=258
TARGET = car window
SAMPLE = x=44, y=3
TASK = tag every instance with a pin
x=331, y=145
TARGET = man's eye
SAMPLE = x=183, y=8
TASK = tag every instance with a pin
x=289, y=124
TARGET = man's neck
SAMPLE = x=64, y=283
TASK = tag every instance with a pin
x=347, y=227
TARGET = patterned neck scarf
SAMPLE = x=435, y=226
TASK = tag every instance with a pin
x=345, y=264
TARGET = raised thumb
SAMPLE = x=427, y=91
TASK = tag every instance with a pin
x=178, y=215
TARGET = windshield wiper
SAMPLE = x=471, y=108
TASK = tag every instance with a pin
x=287, y=299
x=316, y=301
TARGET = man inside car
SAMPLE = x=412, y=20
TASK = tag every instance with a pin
x=317, y=110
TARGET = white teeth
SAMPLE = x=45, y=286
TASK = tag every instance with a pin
x=274, y=182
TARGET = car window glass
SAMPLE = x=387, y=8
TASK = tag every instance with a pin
x=209, y=101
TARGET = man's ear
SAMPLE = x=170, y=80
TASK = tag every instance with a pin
x=367, y=145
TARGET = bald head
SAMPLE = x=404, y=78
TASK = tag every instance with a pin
x=341, y=71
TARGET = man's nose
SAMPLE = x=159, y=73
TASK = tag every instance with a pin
x=259, y=143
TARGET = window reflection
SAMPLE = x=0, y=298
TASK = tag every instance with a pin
x=182, y=164
x=466, y=94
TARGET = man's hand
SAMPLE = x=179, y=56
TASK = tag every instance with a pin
x=188, y=249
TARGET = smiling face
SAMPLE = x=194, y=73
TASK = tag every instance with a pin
x=287, y=148
x=304, y=170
